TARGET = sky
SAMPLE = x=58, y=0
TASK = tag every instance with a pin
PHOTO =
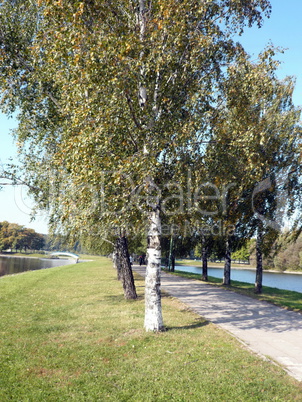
x=15, y=204
x=282, y=29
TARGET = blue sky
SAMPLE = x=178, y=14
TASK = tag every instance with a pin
x=15, y=205
x=283, y=29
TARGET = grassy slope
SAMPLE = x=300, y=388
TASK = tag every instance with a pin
x=68, y=334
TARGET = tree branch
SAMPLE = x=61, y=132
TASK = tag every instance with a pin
x=129, y=101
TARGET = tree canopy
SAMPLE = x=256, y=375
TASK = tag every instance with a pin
x=19, y=238
x=116, y=99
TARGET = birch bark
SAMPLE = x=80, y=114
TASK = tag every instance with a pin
x=153, y=309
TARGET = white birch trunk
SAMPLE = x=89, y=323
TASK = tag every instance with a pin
x=153, y=310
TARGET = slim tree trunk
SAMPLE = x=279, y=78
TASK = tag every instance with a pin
x=204, y=258
x=153, y=310
x=173, y=262
x=259, y=267
x=170, y=253
x=227, y=264
x=126, y=271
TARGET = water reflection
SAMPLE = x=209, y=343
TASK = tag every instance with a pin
x=286, y=281
x=13, y=265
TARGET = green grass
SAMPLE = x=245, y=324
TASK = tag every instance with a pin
x=27, y=254
x=283, y=298
x=197, y=263
x=66, y=333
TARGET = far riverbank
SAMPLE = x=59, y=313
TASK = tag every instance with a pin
x=198, y=264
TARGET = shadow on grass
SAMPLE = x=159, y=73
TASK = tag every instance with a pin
x=117, y=299
x=194, y=325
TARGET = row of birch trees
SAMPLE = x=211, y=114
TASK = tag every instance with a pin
x=123, y=106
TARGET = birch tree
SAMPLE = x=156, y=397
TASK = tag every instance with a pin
x=121, y=87
x=258, y=140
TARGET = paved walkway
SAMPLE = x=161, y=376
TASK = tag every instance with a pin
x=266, y=329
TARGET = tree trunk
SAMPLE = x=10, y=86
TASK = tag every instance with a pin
x=122, y=264
x=153, y=310
x=117, y=259
x=259, y=267
x=126, y=271
x=227, y=264
x=173, y=262
x=204, y=258
x=170, y=254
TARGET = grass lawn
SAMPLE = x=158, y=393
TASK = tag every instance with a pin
x=197, y=263
x=66, y=333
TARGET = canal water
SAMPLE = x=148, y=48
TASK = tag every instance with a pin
x=14, y=265
x=286, y=281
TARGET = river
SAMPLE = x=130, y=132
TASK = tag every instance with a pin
x=280, y=280
x=286, y=281
x=14, y=265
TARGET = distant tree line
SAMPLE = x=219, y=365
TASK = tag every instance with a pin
x=19, y=238
x=285, y=255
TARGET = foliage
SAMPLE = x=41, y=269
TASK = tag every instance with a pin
x=182, y=246
x=286, y=253
x=257, y=144
x=255, y=154
x=17, y=237
x=243, y=254
x=80, y=70
x=115, y=98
